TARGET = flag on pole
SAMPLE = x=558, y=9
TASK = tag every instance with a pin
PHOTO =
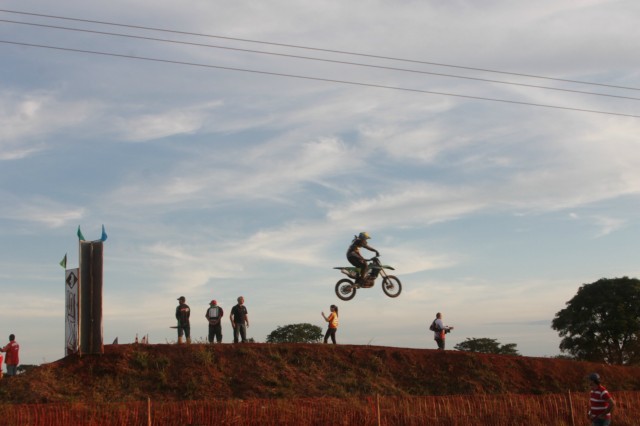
x=63, y=262
x=80, y=236
x=104, y=235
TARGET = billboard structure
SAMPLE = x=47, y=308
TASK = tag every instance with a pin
x=72, y=309
x=83, y=299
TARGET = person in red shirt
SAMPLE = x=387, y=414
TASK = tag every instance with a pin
x=12, y=359
x=600, y=402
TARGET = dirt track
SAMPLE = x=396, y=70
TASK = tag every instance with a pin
x=261, y=370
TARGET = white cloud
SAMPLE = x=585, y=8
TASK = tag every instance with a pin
x=406, y=204
x=608, y=225
x=29, y=118
x=18, y=153
x=271, y=170
x=605, y=224
x=173, y=122
x=39, y=210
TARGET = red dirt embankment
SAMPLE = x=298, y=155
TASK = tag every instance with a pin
x=262, y=370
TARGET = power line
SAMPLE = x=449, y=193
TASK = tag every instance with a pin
x=319, y=49
x=353, y=83
x=317, y=59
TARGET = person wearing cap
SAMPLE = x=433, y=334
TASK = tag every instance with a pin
x=183, y=312
x=214, y=315
x=239, y=320
x=600, y=402
x=355, y=258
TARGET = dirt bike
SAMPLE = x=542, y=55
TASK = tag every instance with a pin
x=346, y=288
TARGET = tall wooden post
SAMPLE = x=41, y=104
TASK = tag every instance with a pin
x=91, y=339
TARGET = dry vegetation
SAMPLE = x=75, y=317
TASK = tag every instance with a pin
x=260, y=370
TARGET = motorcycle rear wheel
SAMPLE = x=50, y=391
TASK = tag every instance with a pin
x=391, y=286
x=345, y=289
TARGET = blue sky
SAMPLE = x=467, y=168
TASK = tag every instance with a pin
x=214, y=183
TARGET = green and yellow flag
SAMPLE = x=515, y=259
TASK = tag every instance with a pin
x=63, y=262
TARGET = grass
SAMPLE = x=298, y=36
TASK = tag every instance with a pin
x=254, y=370
x=456, y=410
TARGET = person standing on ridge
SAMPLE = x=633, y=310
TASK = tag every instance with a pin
x=332, y=319
x=239, y=320
x=355, y=258
x=214, y=315
x=12, y=349
x=183, y=312
x=600, y=402
x=439, y=330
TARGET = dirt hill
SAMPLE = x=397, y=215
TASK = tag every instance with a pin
x=261, y=370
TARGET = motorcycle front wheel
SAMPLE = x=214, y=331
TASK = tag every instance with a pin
x=345, y=289
x=391, y=286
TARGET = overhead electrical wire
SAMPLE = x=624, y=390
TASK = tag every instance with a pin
x=318, y=49
x=354, y=83
x=314, y=59
x=317, y=59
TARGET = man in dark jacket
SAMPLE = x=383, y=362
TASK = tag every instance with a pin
x=183, y=312
x=239, y=320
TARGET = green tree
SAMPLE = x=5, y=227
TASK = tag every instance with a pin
x=296, y=333
x=601, y=323
x=486, y=346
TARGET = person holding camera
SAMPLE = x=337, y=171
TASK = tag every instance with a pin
x=439, y=330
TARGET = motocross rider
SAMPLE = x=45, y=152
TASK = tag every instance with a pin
x=353, y=253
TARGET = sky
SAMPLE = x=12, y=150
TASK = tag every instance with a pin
x=490, y=149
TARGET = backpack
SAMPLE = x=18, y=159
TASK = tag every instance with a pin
x=433, y=326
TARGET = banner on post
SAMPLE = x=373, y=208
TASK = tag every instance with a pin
x=72, y=308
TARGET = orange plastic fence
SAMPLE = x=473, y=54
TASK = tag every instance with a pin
x=456, y=410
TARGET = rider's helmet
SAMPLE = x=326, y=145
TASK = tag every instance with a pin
x=594, y=377
x=364, y=236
